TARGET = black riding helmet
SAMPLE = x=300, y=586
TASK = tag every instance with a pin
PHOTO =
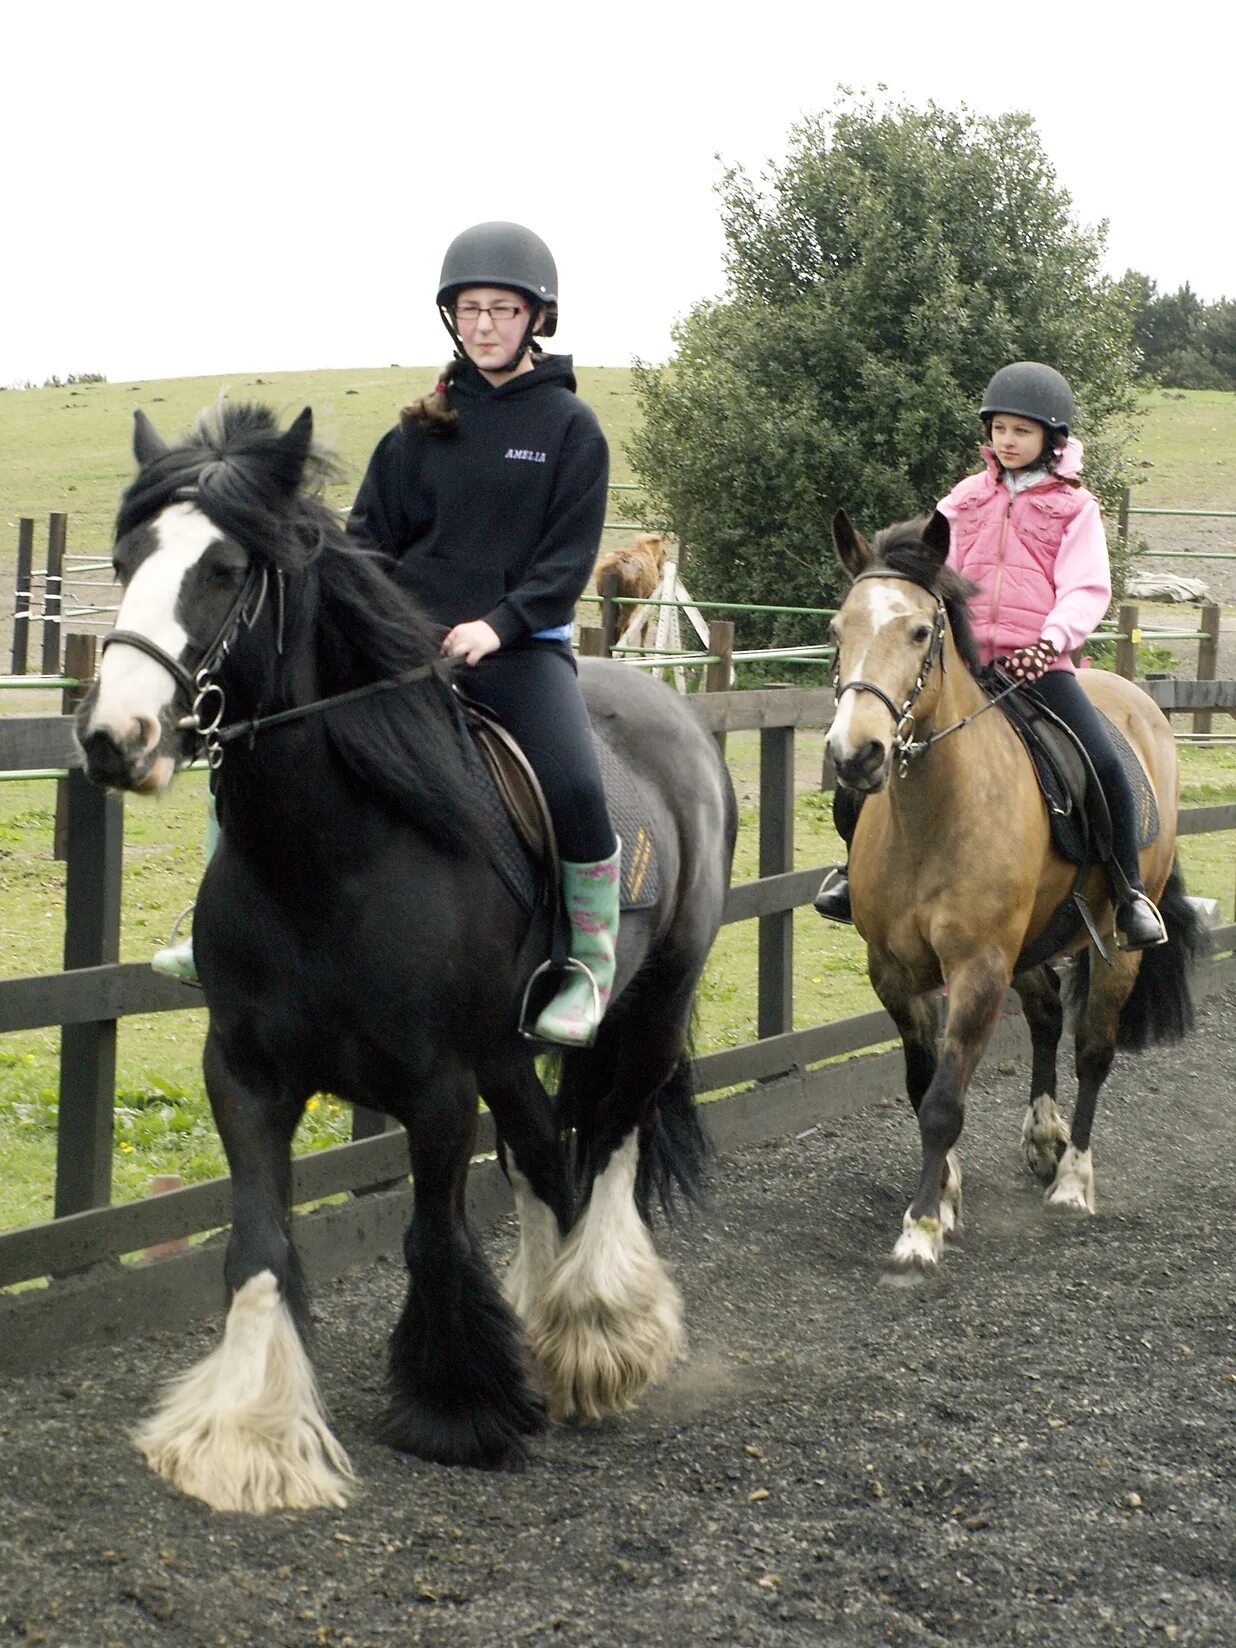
x=1028, y=389
x=501, y=254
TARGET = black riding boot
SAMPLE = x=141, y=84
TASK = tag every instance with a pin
x=833, y=898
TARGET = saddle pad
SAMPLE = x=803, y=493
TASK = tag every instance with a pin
x=1062, y=768
x=641, y=869
x=521, y=870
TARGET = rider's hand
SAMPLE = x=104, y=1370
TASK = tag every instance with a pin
x=1028, y=664
x=471, y=641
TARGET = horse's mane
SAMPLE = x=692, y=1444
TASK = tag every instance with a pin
x=408, y=746
x=901, y=548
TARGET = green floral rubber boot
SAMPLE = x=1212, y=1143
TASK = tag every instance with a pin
x=175, y=960
x=591, y=895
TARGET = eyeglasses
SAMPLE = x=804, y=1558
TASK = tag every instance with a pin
x=467, y=314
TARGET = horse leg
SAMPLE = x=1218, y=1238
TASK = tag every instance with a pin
x=916, y=1023
x=458, y=1389
x=975, y=993
x=1072, y=1189
x=1044, y=1136
x=533, y=1159
x=609, y=1321
x=245, y=1430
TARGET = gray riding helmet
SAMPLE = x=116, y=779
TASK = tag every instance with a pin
x=1028, y=389
x=502, y=254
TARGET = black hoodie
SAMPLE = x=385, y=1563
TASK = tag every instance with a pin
x=500, y=517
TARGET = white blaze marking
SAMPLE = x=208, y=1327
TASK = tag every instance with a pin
x=132, y=686
x=884, y=604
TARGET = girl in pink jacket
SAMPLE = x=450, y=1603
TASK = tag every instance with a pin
x=1027, y=532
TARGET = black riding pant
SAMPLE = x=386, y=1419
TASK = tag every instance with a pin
x=534, y=690
x=1063, y=695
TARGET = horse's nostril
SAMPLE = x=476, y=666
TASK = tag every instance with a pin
x=149, y=732
x=871, y=755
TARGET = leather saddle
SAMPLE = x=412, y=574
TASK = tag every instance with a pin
x=1081, y=824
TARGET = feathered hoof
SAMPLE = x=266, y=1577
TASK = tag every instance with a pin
x=598, y=1356
x=233, y=1465
x=486, y=1439
x=916, y=1257
x=244, y=1430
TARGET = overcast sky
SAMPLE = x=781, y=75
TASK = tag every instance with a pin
x=238, y=187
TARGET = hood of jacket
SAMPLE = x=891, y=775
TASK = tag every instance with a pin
x=558, y=370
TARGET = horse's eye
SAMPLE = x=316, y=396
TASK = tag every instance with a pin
x=921, y=633
x=834, y=634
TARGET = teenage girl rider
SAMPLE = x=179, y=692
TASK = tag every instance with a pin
x=1031, y=536
x=490, y=496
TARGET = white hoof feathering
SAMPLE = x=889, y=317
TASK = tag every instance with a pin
x=539, y=1246
x=609, y=1321
x=245, y=1430
x=1044, y=1137
x=1073, y=1189
x=950, y=1196
x=919, y=1248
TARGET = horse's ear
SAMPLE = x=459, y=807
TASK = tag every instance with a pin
x=148, y=444
x=293, y=449
x=853, y=550
x=936, y=535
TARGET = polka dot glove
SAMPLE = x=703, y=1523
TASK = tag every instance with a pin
x=1027, y=664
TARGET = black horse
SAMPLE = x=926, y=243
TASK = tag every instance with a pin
x=353, y=936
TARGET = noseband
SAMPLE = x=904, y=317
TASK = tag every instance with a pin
x=904, y=744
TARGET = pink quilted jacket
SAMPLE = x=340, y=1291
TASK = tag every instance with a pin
x=1039, y=559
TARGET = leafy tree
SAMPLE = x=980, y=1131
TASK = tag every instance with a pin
x=876, y=280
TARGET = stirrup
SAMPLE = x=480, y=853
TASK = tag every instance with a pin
x=173, y=972
x=570, y=965
x=1142, y=902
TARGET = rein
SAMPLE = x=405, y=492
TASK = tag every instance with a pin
x=906, y=747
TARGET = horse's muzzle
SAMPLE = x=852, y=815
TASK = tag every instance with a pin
x=136, y=759
x=865, y=769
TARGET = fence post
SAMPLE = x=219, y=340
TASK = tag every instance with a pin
x=719, y=677
x=609, y=611
x=776, y=932
x=592, y=641
x=95, y=820
x=1207, y=657
x=1126, y=650
x=1122, y=519
x=81, y=662
x=21, y=599
x=56, y=534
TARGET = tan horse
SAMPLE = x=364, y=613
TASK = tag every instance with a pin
x=639, y=565
x=953, y=873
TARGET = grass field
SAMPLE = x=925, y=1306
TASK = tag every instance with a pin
x=67, y=449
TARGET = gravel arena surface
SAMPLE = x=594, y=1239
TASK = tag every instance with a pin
x=1039, y=1447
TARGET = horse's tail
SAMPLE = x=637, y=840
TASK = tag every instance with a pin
x=1159, y=1010
x=674, y=1149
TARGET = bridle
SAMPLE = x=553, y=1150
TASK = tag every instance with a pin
x=200, y=690
x=203, y=692
x=905, y=746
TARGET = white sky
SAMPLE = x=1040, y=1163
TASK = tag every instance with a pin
x=237, y=187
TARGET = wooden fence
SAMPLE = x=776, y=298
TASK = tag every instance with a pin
x=84, y=1243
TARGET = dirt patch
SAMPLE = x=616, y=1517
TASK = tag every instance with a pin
x=1040, y=1448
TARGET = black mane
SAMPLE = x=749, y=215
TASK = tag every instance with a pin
x=901, y=548
x=409, y=746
